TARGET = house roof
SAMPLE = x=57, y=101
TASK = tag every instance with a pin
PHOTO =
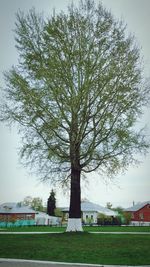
x=87, y=206
x=15, y=208
x=138, y=206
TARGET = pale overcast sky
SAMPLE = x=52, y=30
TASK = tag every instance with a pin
x=15, y=182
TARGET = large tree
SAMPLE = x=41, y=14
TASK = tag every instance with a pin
x=76, y=94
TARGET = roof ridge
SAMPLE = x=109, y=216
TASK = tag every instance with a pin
x=138, y=206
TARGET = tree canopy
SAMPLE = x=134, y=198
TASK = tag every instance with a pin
x=76, y=93
x=33, y=202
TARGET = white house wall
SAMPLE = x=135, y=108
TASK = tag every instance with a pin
x=90, y=217
x=44, y=219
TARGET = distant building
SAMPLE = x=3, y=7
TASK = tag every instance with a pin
x=90, y=212
x=140, y=213
x=13, y=214
x=41, y=218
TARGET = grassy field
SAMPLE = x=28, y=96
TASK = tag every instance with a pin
x=78, y=247
x=117, y=228
x=86, y=229
x=34, y=229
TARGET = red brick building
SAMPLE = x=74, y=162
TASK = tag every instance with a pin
x=12, y=214
x=140, y=213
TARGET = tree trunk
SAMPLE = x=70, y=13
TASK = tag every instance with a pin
x=74, y=221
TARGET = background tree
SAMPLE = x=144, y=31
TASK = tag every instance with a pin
x=51, y=204
x=27, y=201
x=58, y=212
x=119, y=209
x=103, y=219
x=127, y=217
x=76, y=94
x=37, y=204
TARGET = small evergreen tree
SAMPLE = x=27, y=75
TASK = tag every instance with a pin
x=51, y=204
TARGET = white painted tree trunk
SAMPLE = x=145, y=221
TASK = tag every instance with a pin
x=74, y=225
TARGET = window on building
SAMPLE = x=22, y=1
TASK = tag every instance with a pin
x=87, y=216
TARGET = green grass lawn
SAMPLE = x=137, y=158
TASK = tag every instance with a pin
x=78, y=247
x=86, y=228
x=34, y=229
x=117, y=228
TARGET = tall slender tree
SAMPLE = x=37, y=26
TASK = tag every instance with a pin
x=51, y=204
x=76, y=94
